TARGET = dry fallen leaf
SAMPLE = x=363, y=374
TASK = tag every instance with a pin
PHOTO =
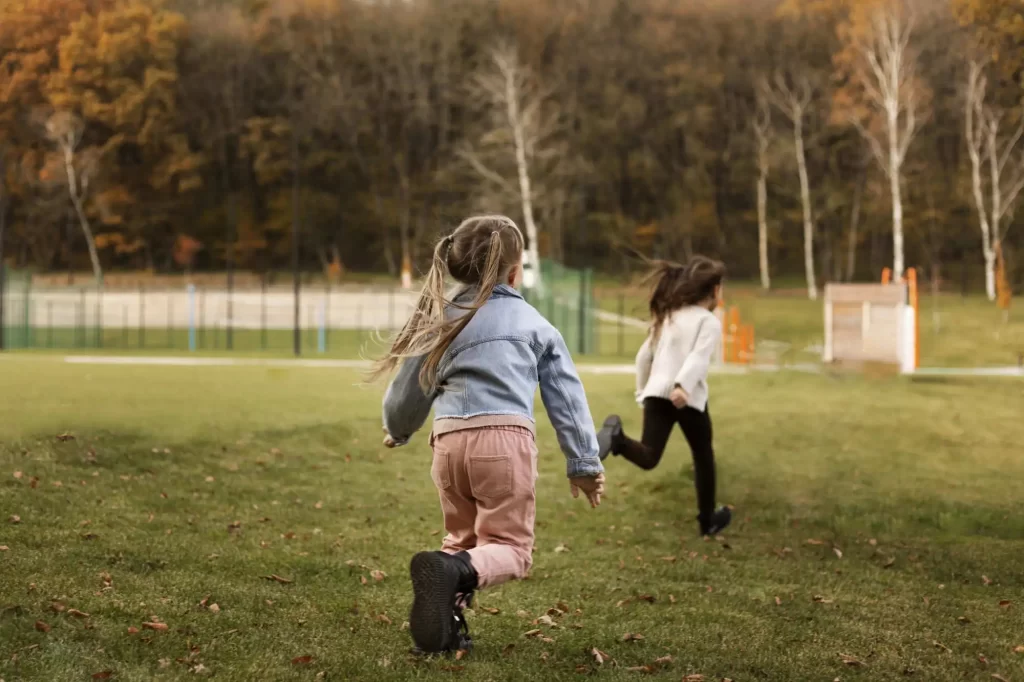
x=601, y=657
x=4, y=548
x=278, y=579
x=963, y=620
x=818, y=599
x=694, y=678
x=522, y=614
x=838, y=552
x=532, y=633
x=318, y=505
x=164, y=662
x=814, y=541
x=214, y=608
x=632, y=637
x=159, y=627
x=460, y=654
x=363, y=580
x=42, y=627
x=941, y=647
x=133, y=630
x=778, y=602
x=1018, y=649
x=889, y=562
x=1005, y=603
x=873, y=542
x=383, y=618
x=77, y=614
x=671, y=599
x=14, y=518
x=664, y=660
x=103, y=675
x=302, y=660
x=985, y=580
x=560, y=549
x=645, y=669
x=983, y=660
x=65, y=437
x=491, y=610
x=378, y=575
x=18, y=474
x=999, y=678
x=851, y=661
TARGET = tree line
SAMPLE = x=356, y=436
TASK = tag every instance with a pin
x=818, y=139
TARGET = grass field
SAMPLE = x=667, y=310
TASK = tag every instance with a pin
x=876, y=520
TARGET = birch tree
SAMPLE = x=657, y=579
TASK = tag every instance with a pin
x=762, y=135
x=516, y=101
x=65, y=130
x=887, y=74
x=988, y=144
x=793, y=101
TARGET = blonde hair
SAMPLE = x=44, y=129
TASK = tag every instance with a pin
x=480, y=252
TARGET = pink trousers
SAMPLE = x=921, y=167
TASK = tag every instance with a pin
x=486, y=479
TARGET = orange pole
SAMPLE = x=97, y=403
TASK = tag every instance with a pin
x=886, y=275
x=912, y=291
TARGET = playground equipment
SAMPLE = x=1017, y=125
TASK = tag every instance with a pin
x=873, y=323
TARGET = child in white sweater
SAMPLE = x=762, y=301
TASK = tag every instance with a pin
x=671, y=378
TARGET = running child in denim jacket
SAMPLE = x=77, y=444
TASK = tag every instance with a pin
x=477, y=359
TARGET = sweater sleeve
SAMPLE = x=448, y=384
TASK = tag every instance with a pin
x=644, y=358
x=697, y=364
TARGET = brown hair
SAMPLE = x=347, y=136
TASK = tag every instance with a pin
x=480, y=252
x=677, y=286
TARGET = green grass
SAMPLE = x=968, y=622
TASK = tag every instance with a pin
x=918, y=484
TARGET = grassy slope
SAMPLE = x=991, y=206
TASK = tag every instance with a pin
x=917, y=484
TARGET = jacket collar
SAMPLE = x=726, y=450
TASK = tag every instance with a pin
x=467, y=294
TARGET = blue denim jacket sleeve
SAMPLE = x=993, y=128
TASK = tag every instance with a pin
x=566, y=405
x=406, y=406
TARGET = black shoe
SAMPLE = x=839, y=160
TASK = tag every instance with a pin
x=715, y=522
x=609, y=437
x=442, y=586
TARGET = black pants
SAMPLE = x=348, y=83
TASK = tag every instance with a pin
x=660, y=416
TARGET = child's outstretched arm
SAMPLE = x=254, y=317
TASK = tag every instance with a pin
x=566, y=404
x=406, y=406
x=644, y=358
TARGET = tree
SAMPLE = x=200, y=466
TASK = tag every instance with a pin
x=762, y=127
x=522, y=127
x=988, y=144
x=886, y=74
x=793, y=101
x=79, y=168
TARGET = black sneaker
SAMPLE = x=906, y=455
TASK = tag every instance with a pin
x=442, y=585
x=609, y=437
x=716, y=522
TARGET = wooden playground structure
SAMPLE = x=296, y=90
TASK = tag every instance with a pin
x=873, y=324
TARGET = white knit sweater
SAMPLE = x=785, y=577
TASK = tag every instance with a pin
x=688, y=341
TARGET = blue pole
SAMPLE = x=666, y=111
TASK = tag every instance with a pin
x=192, y=318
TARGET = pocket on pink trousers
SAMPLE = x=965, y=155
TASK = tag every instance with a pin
x=490, y=476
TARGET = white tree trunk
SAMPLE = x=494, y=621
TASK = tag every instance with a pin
x=897, y=220
x=762, y=229
x=995, y=182
x=77, y=200
x=975, y=124
x=805, y=199
x=525, y=192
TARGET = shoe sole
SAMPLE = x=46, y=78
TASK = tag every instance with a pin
x=430, y=620
x=604, y=436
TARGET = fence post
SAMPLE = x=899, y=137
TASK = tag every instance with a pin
x=80, y=331
x=49, y=324
x=191, y=318
x=263, y=314
x=142, y=316
x=202, y=318
x=99, y=317
x=170, y=315
x=327, y=316
x=321, y=332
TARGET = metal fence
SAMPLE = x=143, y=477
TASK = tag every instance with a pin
x=338, y=320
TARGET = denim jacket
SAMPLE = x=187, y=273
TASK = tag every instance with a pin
x=493, y=368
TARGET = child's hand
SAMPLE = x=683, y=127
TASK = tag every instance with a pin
x=678, y=397
x=592, y=487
